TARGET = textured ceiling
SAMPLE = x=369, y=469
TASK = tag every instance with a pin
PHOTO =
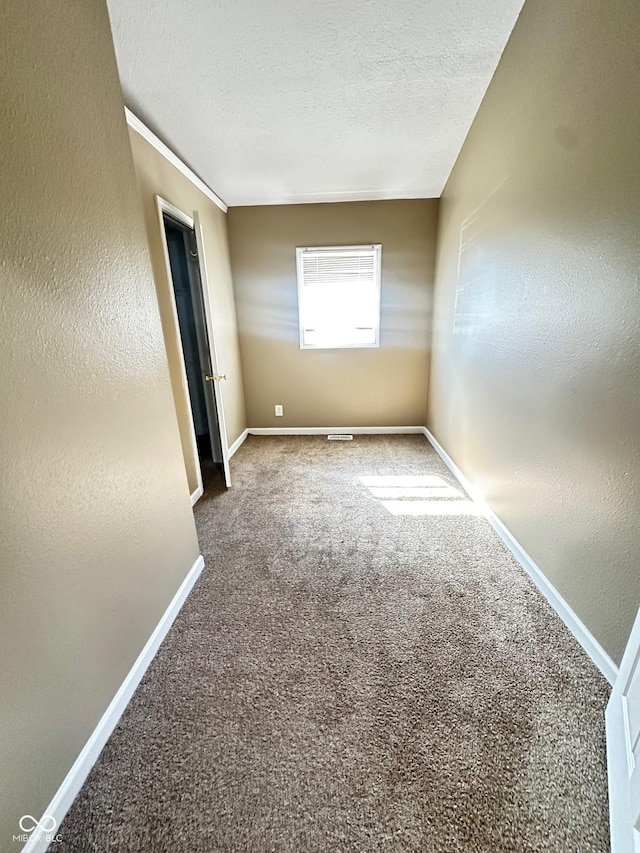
x=311, y=100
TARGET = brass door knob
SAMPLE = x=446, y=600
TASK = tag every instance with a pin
x=218, y=376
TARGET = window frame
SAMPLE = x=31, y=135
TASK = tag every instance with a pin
x=377, y=249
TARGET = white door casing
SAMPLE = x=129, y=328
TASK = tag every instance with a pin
x=623, y=750
x=162, y=207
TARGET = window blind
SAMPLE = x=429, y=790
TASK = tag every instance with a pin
x=339, y=296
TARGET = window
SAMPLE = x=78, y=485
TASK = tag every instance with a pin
x=339, y=296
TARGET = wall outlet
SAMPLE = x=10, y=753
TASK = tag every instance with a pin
x=279, y=411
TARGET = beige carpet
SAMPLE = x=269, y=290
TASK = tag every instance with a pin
x=361, y=667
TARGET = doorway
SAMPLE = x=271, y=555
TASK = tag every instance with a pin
x=185, y=264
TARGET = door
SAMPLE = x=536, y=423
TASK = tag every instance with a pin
x=623, y=750
x=208, y=455
x=213, y=377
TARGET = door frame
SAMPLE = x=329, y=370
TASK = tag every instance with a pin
x=164, y=207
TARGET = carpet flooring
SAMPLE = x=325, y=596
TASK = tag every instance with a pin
x=361, y=667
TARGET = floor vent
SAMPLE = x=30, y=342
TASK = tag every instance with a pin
x=340, y=437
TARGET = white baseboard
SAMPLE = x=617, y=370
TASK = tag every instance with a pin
x=75, y=778
x=579, y=630
x=195, y=497
x=391, y=430
x=238, y=442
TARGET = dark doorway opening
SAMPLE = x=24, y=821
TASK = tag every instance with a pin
x=187, y=288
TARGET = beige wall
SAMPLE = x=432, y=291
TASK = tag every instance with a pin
x=348, y=387
x=157, y=176
x=535, y=395
x=96, y=527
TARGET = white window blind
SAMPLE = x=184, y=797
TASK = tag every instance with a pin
x=339, y=296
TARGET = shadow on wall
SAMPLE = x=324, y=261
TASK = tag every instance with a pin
x=274, y=317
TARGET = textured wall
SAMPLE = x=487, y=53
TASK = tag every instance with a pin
x=96, y=529
x=333, y=387
x=534, y=380
x=157, y=176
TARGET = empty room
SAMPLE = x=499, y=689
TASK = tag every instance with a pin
x=320, y=448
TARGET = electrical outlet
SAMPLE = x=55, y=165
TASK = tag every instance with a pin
x=279, y=411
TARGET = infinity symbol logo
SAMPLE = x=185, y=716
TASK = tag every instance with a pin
x=47, y=824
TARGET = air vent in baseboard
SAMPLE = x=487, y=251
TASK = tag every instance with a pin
x=340, y=437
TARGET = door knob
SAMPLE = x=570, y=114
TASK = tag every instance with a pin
x=218, y=376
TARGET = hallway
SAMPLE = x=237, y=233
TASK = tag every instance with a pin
x=362, y=666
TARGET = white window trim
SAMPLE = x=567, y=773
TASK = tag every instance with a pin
x=377, y=247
